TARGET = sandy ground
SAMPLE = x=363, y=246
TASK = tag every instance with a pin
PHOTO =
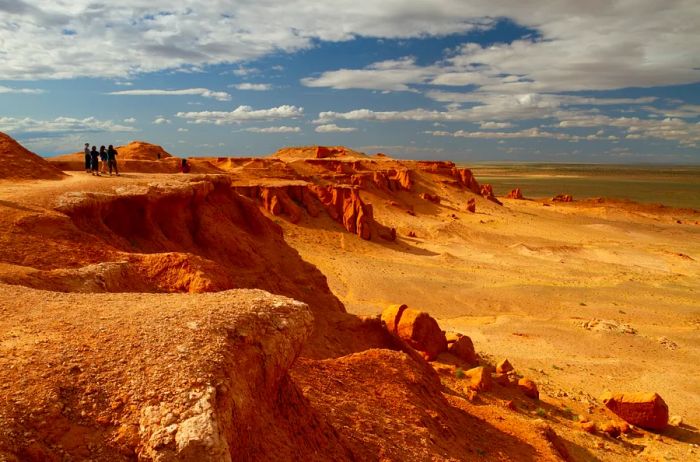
x=523, y=279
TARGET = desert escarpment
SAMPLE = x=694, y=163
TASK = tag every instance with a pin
x=129, y=330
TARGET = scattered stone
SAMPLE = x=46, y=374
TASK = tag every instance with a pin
x=610, y=429
x=462, y=347
x=529, y=388
x=589, y=427
x=676, y=420
x=511, y=405
x=668, y=343
x=504, y=367
x=646, y=410
x=471, y=205
x=604, y=325
x=434, y=198
x=411, y=234
x=562, y=198
x=480, y=378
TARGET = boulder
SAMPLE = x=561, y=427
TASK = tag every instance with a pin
x=479, y=378
x=501, y=379
x=417, y=328
x=487, y=192
x=461, y=346
x=504, y=367
x=529, y=388
x=646, y=410
x=611, y=429
x=471, y=205
x=589, y=427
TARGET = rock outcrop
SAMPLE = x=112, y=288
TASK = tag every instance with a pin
x=515, y=194
x=18, y=163
x=416, y=328
x=479, y=378
x=471, y=205
x=141, y=150
x=434, y=198
x=487, y=192
x=646, y=410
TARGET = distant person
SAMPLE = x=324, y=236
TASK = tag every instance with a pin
x=88, y=162
x=112, y=160
x=184, y=166
x=103, y=159
x=94, y=161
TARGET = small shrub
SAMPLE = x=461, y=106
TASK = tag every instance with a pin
x=554, y=366
x=541, y=412
x=459, y=373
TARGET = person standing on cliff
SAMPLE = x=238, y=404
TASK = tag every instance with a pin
x=103, y=159
x=88, y=161
x=94, y=161
x=112, y=160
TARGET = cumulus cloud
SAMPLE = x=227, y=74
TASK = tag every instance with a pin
x=495, y=125
x=282, y=129
x=160, y=120
x=333, y=128
x=242, y=114
x=528, y=133
x=204, y=92
x=61, y=125
x=114, y=40
x=385, y=75
x=28, y=91
x=253, y=86
x=183, y=130
x=130, y=120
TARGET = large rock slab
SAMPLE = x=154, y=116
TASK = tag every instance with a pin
x=646, y=410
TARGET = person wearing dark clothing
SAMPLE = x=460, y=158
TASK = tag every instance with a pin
x=184, y=166
x=94, y=161
x=88, y=162
x=112, y=160
x=103, y=159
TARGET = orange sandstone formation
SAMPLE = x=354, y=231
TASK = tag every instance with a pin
x=462, y=347
x=18, y=163
x=529, y=388
x=515, y=194
x=563, y=198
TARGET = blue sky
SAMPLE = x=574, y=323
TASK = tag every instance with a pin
x=600, y=81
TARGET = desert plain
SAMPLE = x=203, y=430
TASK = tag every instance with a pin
x=233, y=312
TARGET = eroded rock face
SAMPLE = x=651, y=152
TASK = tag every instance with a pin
x=434, y=198
x=418, y=329
x=646, y=410
x=471, y=205
x=166, y=378
x=487, y=192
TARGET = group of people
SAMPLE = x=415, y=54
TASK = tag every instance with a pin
x=100, y=161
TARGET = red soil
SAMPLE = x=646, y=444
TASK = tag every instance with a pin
x=18, y=163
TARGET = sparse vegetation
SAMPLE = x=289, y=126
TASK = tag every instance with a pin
x=541, y=412
x=554, y=366
x=459, y=373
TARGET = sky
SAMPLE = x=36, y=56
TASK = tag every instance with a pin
x=614, y=81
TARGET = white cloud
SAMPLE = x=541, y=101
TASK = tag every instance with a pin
x=60, y=125
x=160, y=120
x=385, y=75
x=241, y=114
x=528, y=133
x=282, y=129
x=333, y=128
x=130, y=120
x=204, y=92
x=183, y=130
x=253, y=86
x=495, y=125
x=28, y=91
